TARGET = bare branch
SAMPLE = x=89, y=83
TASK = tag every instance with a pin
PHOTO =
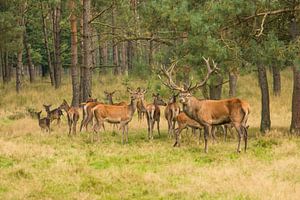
x=262, y=25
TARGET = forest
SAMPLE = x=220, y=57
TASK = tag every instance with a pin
x=149, y=99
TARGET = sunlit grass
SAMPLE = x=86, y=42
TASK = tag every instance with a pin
x=36, y=165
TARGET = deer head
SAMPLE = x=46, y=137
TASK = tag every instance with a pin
x=158, y=100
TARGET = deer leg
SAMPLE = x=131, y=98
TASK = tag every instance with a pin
x=177, y=133
x=213, y=134
x=127, y=133
x=207, y=130
x=158, y=127
x=70, y=125
x=245, y=136
x=75, y=124
x=239, y=131
x=200, y=130
x=173, y=128
x=149, y=126
x=224, y=128
x=152, y=127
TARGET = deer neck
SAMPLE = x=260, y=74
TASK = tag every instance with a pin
x=132, y=106
x=110, y=101
x=190, y=106
x=143, y=103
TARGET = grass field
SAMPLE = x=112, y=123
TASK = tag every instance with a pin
x=35, y=165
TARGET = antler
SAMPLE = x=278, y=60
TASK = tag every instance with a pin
x=167, y=72
x=209, y=72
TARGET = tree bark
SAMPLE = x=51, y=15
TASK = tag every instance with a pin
x=124, y=59
x=117, y=70
x=295, y=123
x=18, y=70
x=45, y=33
x=276, y=81
x=151, y=49
x=57, y=44
x=74, y=55
x=5, y=68
x=265, y=124
x=232, y=84
x=215, y=89
x=86, y=86
x=29, y=59
x=129, y=54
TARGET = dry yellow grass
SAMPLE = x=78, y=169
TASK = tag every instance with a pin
x=35, y=165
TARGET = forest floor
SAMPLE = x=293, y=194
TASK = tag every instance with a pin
x=37, y=165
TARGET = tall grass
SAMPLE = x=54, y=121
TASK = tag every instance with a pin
x=36, y=165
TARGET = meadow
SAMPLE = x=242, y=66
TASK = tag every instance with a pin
x=37, y=165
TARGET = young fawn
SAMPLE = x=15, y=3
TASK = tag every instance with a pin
x=44, y=123
x=54, y=114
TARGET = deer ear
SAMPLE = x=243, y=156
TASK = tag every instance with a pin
x=113, y=92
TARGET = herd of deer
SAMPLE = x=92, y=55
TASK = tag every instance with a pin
x=196, y=113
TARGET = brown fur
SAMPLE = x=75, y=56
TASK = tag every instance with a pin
x=217, y=112
x=44, y=123
x=116, y=114
x=153, y=114
x=54, y=114
x=72, y=114
x=183, y=122
x=87, y=115
x=171, y=111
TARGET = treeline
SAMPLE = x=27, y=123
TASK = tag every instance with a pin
x=46, y=37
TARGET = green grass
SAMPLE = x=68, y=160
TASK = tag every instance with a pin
x=36, y=165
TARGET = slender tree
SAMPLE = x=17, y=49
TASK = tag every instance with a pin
x=86, y=75
x=46, y=43
x=74, y=55
x=265, y=124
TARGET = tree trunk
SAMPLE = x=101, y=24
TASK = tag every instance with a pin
x=117, y=69
x=124, y=59
x=265, y=124
x=45, y=33
x=276, y=81
x=295, y=123
x=74, y=55
x=151, y=49
x=86, y=86
x=129, y=54
x=232, y=84
x=57, y=44
x=215, y=89
x=5, y=68
x=18, y=70
x=29, y=60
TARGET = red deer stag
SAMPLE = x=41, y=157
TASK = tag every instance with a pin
x=116, y=114
x=54, y=114
x=153, y=113
x=171, y=111
x=211, y=112
x=44, y=123
x=183, y=122
x=72, y=114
